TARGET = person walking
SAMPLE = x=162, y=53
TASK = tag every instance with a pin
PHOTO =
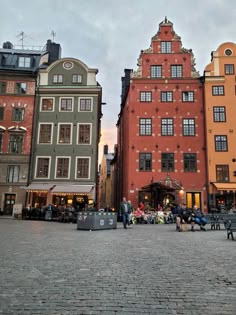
x=125, y=209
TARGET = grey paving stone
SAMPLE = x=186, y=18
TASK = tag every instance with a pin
x=48, y=268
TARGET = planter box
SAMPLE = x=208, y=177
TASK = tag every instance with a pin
x=96, y=220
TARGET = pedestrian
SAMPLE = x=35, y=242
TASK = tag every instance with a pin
x=130, y=212
x=125, y=211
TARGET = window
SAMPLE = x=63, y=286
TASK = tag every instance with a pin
x=145, y=126
x=145, y=161
x=222, y=173
x=3, y=87
x=166, y=96
x=218, y=90
x=1, y=141
x=18, y=114
x=167, y=162
x=57, y=78
x=76, y=78
x=165, y=47
x=167, y=127
x=20, y=88
x=83, y=167
x=187, y=96
x=24, y=62
x=1, y=113
x=45, y=133
x=229, y=69
x=62, y=170
x=145, y=96
x=47, y=104
x=42, y=170
x=219, y=113
x=176, y=71
x=66, y=104
x=190, y=162
x=13, y=172
x=156, y=71
x=15, y=143
x=85, y=104
x=84, y=134
x=221, y=143
x=188, y=127
x=64, y=133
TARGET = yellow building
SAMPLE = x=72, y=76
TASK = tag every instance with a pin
x=220, y=113
x=105, y=191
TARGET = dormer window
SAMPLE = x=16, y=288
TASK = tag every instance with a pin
x=24, y=62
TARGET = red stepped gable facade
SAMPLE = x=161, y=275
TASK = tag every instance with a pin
x=161, y=142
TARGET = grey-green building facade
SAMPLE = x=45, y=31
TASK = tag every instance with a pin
x=64, y=161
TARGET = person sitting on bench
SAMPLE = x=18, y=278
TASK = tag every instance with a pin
x=199, y=217
x=184, y=216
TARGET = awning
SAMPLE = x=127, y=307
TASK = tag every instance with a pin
x=39, y=187
x=225, y=186
x=73, y=189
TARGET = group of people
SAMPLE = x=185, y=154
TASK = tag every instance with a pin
x=190, y=216
x=183, y=215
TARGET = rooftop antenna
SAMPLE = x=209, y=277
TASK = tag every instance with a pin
x=21, y=37
x=53, y=35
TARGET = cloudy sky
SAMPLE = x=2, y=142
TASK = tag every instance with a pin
x=109, y=34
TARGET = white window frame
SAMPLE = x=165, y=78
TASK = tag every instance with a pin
x=49, y=167
x=72, y=105
x=58, y=75
x=58, y=132
x=78, y=76
x=77, y=136
x=85, y=97
x=89, y=170
x=41, y=104
x=69, y=167
x=24, y=62
x=45, y=123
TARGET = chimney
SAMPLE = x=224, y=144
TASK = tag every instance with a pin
x=105, y=149
x=125, y=82
x=7, y=45
x=54, y=51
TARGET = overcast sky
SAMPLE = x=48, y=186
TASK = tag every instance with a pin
x=109, y=34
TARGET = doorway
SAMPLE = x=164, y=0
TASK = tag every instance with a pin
x=193, y=198
x=9, y=202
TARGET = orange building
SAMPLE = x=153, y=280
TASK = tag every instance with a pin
x=220, y=102
x=161, y=142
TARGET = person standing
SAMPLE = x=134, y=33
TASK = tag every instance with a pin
x=125, y=211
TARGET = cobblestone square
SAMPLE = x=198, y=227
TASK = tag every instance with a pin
x=49, y=268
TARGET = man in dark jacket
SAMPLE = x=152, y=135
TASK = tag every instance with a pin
x=184, y=216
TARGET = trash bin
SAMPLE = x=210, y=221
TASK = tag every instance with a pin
x=48, y=215
x=96, y=220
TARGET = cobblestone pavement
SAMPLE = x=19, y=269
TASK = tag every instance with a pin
x=49, y=268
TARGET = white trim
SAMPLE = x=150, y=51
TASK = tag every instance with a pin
x=85, y=97
x=45, y=123
x=49, y=166
x=58, y=132
x=66, y=111
x=90, y=136
x=89, y=170
x=69, y=167
x=41, y=101
x=1, y=127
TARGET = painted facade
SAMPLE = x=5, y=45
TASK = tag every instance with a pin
x=18, y=73
x=66, y=136
x=161, y=143
x=220, y=100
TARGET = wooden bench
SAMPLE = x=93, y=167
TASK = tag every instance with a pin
x=230, y=226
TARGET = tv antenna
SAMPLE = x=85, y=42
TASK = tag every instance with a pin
x=21, y=37
x=53, y=35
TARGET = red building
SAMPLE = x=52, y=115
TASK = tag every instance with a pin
x=161, y=142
